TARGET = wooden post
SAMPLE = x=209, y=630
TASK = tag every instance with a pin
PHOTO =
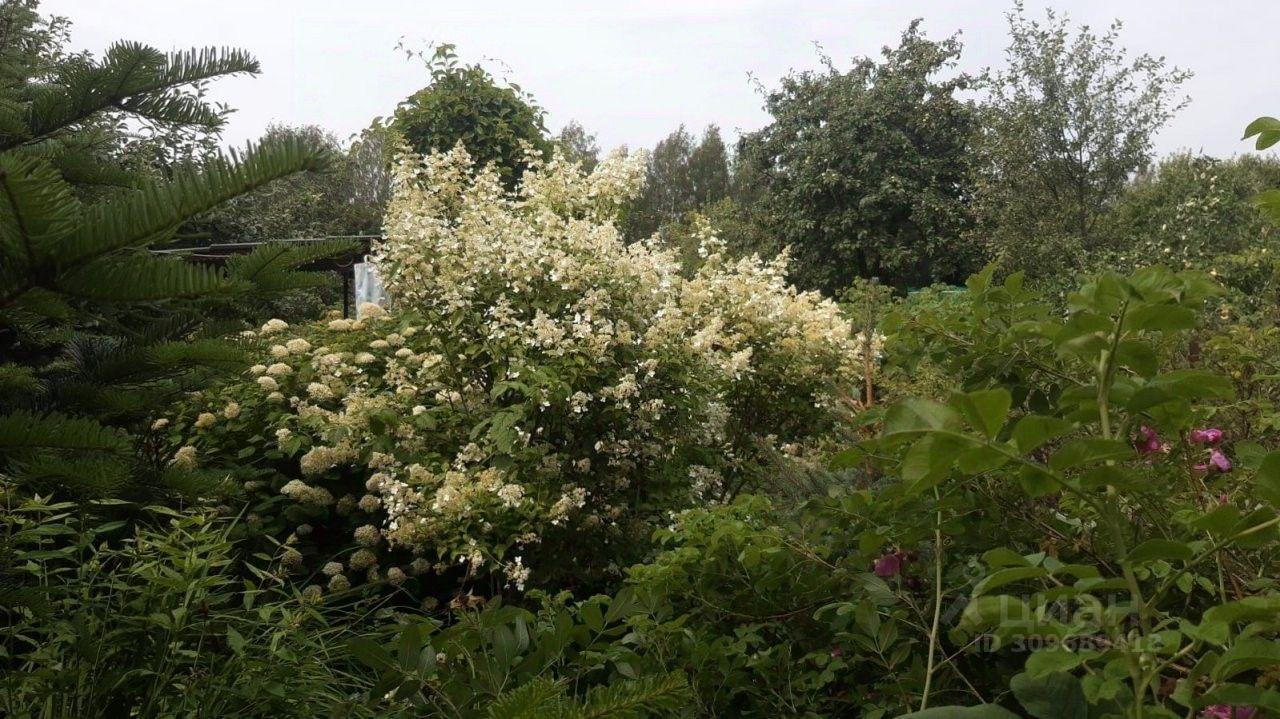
x=346, y=291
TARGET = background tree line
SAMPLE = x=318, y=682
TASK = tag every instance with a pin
x=899, y=167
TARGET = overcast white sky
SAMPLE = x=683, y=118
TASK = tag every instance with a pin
x=632, y=72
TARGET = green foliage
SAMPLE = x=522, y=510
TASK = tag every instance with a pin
x=498, y=123
x=1197, y=212
x=864, y=173
x=1080, y=426
x=682, y=175
x=569, y=661
x=311, y=204
x=578, y=145
x=90, y=318
x=100, y=620
x=1067, y=122
x=1267, y=130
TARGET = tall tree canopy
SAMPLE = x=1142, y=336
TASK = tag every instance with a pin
x=465, y=103
x=1068, y=121
x=864, y=172
x=578, y=145
x=96, y=331
x=684, y=173
x=340, y=201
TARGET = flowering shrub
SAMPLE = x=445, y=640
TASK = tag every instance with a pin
x=1152, y=592
x=539, y=383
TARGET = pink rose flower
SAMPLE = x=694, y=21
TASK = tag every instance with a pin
x=1219, y=462
x=1226, y=711
x=1148, y=441
x=888, y=565
x=1212, y=435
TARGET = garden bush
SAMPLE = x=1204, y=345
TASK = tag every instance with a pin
x=541, y=394
x=162, y=617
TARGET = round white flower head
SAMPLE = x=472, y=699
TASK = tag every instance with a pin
x=362, y=559
x=371, y=310
x=206, y=419
x=268, y=384
x=279, y=369
x=159, y=424
x=291, y=560
x=298, y=345
x=396, y=576
x=273, y=326
x=331, y=569
x=185, y=458
x=339, y=583
x=368, y=536
x=231, y=411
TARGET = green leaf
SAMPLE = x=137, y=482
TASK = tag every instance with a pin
x=1088, y=450
x=235, y=640
x=1055, y=659
x=1162, y=318
x=1002, y=577
x=985, y=409
x=917, y=416
x=980, y=459
x=1035, y=430
x=1138, y=356
x=370, y=653
x=1037, y=482
x=1220, y=520
x=1004, y=557
x=988, y=611
x=1267, y=130
x=1154, y=549
x=930, y=458
x=847, y=458
x=1247, y=609
x=1194, y=384
x=1247, y=654
x=1243, y=695
x=1052, y=696
x=1267, y=479
x=1268, y=202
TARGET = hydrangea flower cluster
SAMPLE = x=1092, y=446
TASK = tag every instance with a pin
x=540, y=381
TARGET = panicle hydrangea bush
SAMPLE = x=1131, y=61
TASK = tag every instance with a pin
x=540, y=384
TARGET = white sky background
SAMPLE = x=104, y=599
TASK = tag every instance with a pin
x=632, y=72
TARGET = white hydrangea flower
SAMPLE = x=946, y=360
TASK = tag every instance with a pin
x=279, y=369
x=185, y=458
x=273, y=326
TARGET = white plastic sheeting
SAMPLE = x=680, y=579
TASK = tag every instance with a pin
x=368, y=285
